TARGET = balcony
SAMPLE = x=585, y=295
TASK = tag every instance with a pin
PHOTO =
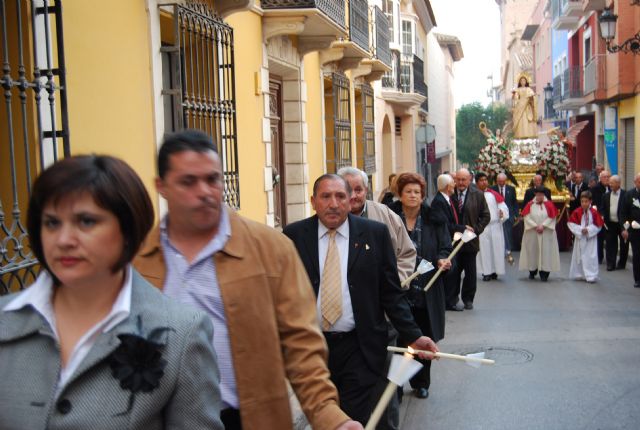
x=595, y=78
x=317, y=23
x=570, y=87
x=419, y=85
x=399, y=86
x=566, y=14
x=591, y=5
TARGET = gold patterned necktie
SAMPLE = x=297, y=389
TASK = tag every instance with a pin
x=331, y=285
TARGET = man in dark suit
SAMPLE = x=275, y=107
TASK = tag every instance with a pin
x=576, y=187
x=630, y=213
x=613, y=201
x=473, y=213
x=508, y=192
x=444, y=205
x=530, y=193
x=597, y=193
x=351, y=264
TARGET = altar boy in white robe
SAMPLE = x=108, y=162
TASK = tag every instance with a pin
x=540, y=252
x=585, y=223
x=490, y=259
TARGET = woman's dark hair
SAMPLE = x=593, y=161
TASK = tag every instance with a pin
x=411, y=178
x=185, y=140
x=525, y=80
x=114, y=187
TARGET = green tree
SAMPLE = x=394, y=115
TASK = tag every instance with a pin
x=469, y=140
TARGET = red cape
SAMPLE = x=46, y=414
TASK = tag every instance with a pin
x=552, y=212
x=576, y=216
x=496, y=194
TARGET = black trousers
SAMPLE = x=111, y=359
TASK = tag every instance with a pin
x=465, y=262
x=422, y=379
x=612, y=237
x=634, y=238
x=601, y=239
x=230, y=418
x=355, y=381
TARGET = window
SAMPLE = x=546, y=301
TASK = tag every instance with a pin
x=387, y=8
x=587, y=47
x=199, y=82
x=398, y=126
x=407, y=37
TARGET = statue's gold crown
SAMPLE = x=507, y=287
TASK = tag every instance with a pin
x=523, y=75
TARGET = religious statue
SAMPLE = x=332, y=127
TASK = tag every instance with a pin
x=524, y=110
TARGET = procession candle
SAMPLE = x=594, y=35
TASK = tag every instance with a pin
x=442, y=355
x=402, y=368
x=440, y=269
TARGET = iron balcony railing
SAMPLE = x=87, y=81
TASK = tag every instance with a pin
x=334, y=9
x=595, y=74
x=380, y=36
x=391, y=79
x=359, y=23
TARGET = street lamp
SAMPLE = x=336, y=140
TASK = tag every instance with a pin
x=548, y=99
x=608, y=21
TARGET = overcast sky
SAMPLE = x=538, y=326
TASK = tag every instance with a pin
x=477, y=24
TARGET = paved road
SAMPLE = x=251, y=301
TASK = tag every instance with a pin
x=568, y=357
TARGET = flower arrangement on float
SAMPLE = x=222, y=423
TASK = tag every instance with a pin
x=495, y=156
x=554, y=162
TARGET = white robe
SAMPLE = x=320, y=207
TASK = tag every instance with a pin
x=584, y=260
x=490, y=259
x=539, y=251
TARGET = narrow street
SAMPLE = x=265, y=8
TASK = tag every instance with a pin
x=567, y=357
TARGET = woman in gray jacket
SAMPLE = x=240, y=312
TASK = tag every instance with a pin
x=91, y=344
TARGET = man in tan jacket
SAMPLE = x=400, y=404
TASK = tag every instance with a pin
x=250, y=280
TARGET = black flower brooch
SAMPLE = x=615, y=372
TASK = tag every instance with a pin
x=137, y=362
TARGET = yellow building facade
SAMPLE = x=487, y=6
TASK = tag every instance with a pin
x=284, y=88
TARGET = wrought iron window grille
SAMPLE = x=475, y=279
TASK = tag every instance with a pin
x=201, y=90
x=35, y=129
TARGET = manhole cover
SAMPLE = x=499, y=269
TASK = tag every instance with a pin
x=501, y=354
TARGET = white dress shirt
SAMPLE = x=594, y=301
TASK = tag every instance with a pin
x=39, y=296
x=613, y=205
x=346, y=322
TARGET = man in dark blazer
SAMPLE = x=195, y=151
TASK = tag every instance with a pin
x=508, y=192
x=612, y=204
x=368, y=288
x=576, y=187
x=474, y=215
x=630, y=213
x=597, y=194
x=444, y=205
x=530, y=193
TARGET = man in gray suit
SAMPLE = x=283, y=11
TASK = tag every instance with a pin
x=474, y=213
